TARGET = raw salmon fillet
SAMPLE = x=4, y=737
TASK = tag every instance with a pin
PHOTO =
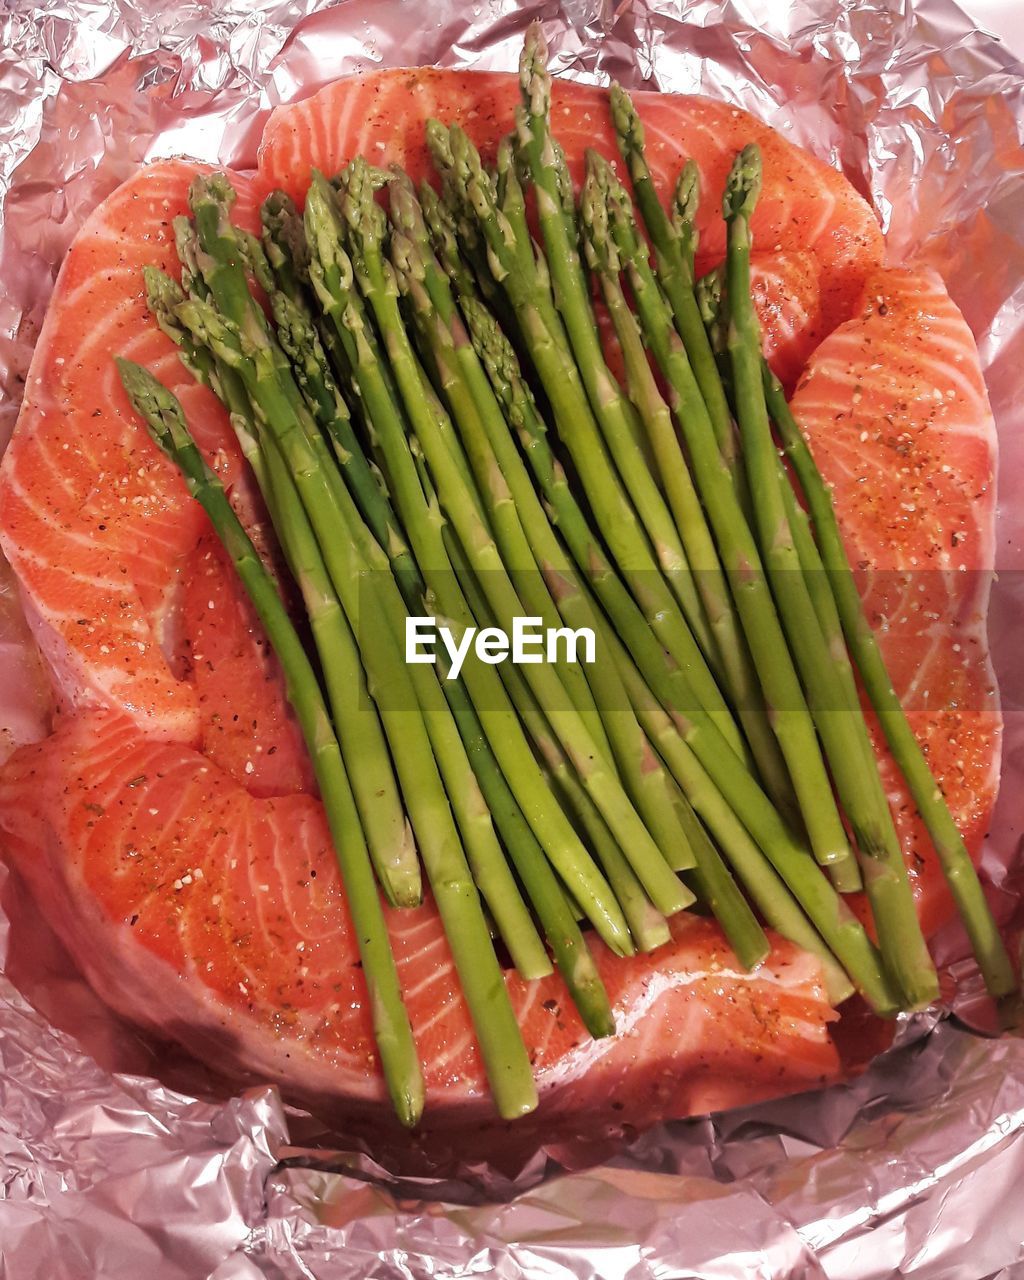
x=805, y=206
x=895, y=408
x=181, y=853
x=195, y=907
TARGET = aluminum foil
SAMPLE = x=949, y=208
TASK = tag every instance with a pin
x=117, y=1160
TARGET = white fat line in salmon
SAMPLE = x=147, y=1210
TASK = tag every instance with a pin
x=529, y=642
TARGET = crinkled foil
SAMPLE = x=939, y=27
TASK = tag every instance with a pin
x=119, y=1161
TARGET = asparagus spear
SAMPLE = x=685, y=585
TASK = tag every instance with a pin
x=366, y=223
x=647, y=924
x=302, y=343
x=996, y=966
x=513, y=263
x=836, y=710
x=675, y=241
x=284, y=243
x=725, y=796
x=614, y=414
x=736, y=544
x=361, y=738
x=493, y=452
x=741, y=678
x=288, y=248
x=712, y=878
x=592, y=765
x=165, y=419
x=344, y=543
x=456, y=758
x=718, y=891
x=332, y=278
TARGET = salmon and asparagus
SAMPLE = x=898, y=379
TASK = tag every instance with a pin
x=473, y=349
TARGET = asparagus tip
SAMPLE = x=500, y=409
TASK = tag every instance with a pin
x=152, y=401
x=407, y=260
x=213, y=188
x=743, y=185
x=505, y=158
x=363, y=215
x=277, y=205
x=439, y=143
x=709, y=297
x=625, y=118
x=162, y=290
x=687, y=193
x=616, y=205
x=601, y=254
x=284, y=240
x=534, y=77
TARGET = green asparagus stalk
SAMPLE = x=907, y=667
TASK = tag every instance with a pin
x=993, y=959
x=303, y=342
x=675, y=241
x=726, y=797
x=513, y=263
x=366, y=221
x=837, y=714
x=560, y=926
x=740, y=676
x=612, y=410
x=594, y=770
x=338, y=529
x=490, y=869
x=288, y=248
x=361, y=738
x=393, y=1033
x=718, y=891
x=493, y=451
x=332, y=277
x=737, y=546
x=289, y=256
x=647, y=925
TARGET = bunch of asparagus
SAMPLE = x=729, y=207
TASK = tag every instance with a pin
x=431, y=419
